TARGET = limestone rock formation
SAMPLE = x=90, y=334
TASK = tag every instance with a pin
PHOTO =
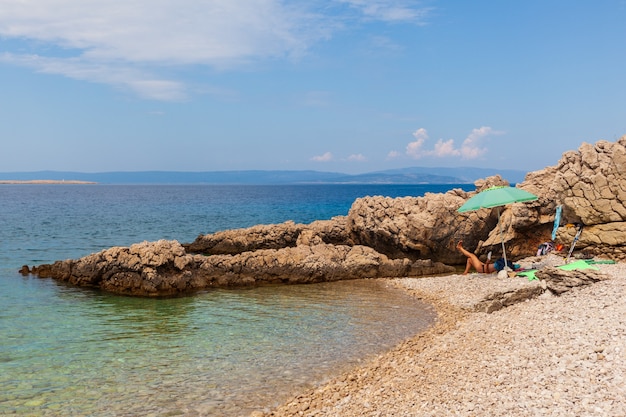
x=148, y=268
x=425, y=227
x=250, y=239
x=590, y=184
x=410, y=227
x=273, y=236
x=164, y=268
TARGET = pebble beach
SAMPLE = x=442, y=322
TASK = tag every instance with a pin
x=549, y=355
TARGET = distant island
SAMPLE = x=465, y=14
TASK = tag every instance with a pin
x=411, y=175
x=45, y=182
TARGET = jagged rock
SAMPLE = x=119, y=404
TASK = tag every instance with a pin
x=334, y=232
x=272, y=236
x=249, y=239
x=144, y=268
x=499, y=300
x=411, y=227
x=559, y=281
x=416, y=227
x=590, y=184
x=164, y=268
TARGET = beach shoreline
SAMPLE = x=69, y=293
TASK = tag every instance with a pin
x=549, y=355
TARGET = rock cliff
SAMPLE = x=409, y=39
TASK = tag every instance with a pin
x=590, y=184
x=380, y=236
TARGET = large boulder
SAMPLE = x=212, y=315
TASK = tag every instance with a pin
x=415, y=227
x=425, y=227
x=148, y=268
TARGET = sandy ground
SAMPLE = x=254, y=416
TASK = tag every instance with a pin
x=551, y=355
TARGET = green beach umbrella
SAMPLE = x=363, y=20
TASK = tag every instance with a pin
x=497, y=197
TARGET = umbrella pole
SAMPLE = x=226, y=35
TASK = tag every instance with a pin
x=506, y=264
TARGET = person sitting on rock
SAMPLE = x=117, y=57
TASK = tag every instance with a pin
x=473, y=261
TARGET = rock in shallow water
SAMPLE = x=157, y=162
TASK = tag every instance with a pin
x=164, y=268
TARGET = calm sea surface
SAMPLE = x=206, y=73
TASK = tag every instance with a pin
x=68, y=351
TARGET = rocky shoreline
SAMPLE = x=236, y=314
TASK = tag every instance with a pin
x=380, y=237
x=548, y=355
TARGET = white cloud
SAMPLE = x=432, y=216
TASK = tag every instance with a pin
x=357, y=157
x=128, y=42
x=323, y=158
x=471, y=148
x=393, y=155
x=414, y=149
x=444, y=149
x=160, y=31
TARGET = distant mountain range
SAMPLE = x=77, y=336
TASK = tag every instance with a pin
x=413, y=175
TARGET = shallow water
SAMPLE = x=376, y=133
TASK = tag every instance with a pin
x=76, y=352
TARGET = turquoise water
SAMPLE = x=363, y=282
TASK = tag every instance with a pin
x=69, y=351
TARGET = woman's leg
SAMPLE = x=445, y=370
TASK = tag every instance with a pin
x=472, y=260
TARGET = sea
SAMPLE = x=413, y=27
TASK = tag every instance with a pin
x=67, y=351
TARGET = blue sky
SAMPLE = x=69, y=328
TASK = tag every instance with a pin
x=347, y=86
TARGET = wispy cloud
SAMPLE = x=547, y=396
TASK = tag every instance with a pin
x=390, y=10
x=472, y=146
x=130, y=43
x=125, y=77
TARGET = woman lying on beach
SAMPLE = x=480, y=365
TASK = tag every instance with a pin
x=473, y=261
x=484, y=267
